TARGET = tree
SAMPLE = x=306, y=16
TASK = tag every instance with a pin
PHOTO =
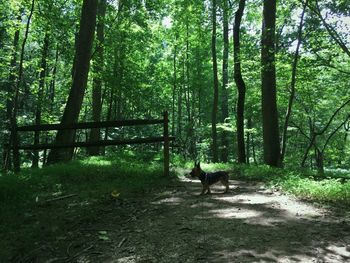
x=80, y=77
x=38, y=114
x=268, y=77
x=225, y=80
x=239, y=83
x=216, y=85
x=15, y=101
x=98, y=69
x=292, y=86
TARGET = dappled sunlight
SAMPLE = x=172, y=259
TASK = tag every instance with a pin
x=96, y=161
x=235, y=213
x=169, y=200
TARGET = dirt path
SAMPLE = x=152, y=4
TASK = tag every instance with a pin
x=249, y=224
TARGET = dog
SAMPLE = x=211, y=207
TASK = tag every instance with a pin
x=208, y=179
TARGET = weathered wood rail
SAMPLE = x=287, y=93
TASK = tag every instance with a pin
x=15, y=146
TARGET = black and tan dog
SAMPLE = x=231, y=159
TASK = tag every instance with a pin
x=208, y=179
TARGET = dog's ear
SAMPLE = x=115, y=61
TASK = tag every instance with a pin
x=198, y=165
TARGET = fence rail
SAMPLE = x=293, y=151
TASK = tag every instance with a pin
x=91, y=125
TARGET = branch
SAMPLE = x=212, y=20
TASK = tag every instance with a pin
x=334, y=132
x=332, y=117
x=332, y=32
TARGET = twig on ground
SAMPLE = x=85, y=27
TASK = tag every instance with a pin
x=122, y=242
x=59, y=198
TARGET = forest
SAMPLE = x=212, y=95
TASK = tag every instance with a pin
x=100, y=98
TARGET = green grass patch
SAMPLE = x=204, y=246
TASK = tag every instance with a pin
x=303, y=184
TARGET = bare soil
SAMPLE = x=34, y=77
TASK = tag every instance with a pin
x=249, y=224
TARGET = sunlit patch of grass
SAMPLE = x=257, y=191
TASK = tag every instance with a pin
x=96, y=160
x=301, y=183
x=327, y=190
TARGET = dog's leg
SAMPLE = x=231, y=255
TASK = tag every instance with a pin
x=208, y=192
x=226, y=184
x=203, y=190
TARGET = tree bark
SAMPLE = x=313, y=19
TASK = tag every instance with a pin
x=10, y=90
x=224, y=91
x=292, y=87
x=216, y=86
x=268, y=75
x=97, y=84
x=76, y=95
x=249, y=126
x=174, y=89
x=51, y=96
x=240, y=84
x=42, y=76
x=14, y=138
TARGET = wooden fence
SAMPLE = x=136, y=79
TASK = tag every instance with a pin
x=90, y=125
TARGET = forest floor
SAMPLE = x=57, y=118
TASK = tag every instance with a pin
x=251, y=223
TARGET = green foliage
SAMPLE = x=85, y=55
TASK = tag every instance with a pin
x=304, y=184
x=157, y=57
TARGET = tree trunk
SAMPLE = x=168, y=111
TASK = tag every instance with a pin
x=97, y=84
x=268, y=75
x=76, y=95
x=320, y=162
x=224, y=92
x=292, y=87
x=12, y=76
x=51, y=96
x=240, y=84
x=216, y=86
x=42, y=77
x=14, y=138
x=11, y=87
x=249, y=126
x=174, y=90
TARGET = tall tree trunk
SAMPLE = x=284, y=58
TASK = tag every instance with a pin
x=174, y=90
x=97, y=84
x=292, y=87
x=13, y=75
x=249, y=126
x=14, y=138
x=76, y=95
x=51, y=97
x=268, y=75
x=179, y=113
x=189, y=98
x=10, y=90
x=42, y=77
x=240, y=84
x=224, y=90
x=216, y=86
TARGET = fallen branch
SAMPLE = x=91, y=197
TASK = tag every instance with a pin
x=122, y=242
x=59, y=198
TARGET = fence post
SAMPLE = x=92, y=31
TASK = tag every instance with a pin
x=166, y=144
x=6, y=158
x=15, y=150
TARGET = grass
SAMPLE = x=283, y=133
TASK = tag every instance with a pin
x=25, y=217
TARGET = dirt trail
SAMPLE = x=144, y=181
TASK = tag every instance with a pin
x=249, y=224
